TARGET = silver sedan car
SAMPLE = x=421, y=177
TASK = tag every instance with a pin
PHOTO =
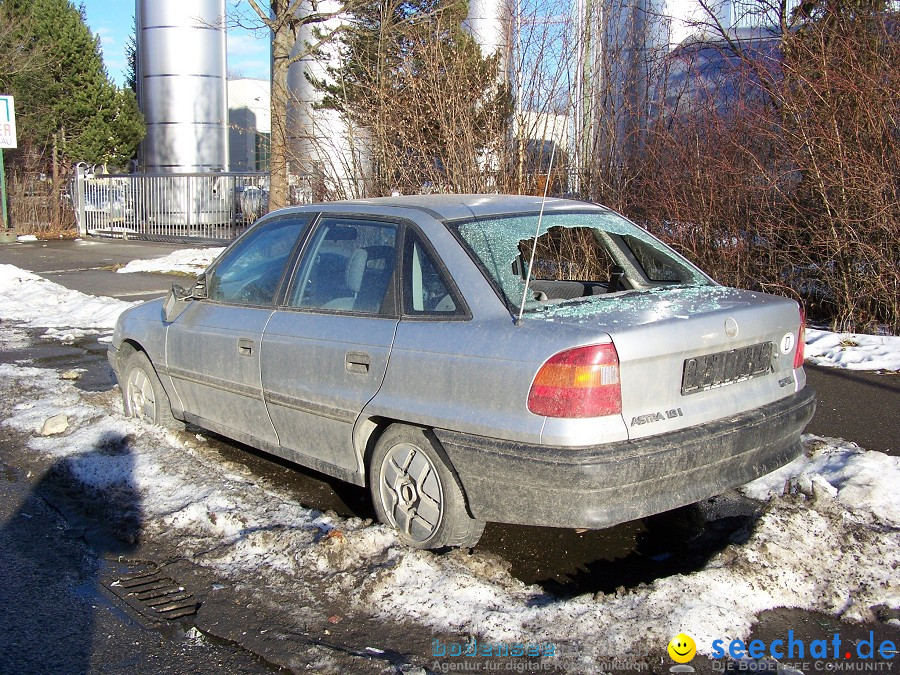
x=476, y=358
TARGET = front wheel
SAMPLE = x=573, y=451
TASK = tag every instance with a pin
x=414, y=491
x=144, y=395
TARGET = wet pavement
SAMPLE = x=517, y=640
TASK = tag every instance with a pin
x=57, y=616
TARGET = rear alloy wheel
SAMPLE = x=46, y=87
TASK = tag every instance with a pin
x=145, y=398
x=415, y=492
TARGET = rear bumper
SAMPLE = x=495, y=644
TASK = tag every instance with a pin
x=599, y=486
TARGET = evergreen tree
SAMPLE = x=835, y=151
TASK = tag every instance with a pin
x=70, y=103
x=131, y=56
x=436, y=110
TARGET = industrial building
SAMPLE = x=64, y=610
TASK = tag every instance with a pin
x=249, y=124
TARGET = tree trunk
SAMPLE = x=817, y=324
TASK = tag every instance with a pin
x=279, y=191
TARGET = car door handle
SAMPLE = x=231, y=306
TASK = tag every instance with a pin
x=357, y=362
x=245, y=347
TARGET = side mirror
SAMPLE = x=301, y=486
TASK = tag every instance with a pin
x=175, y=303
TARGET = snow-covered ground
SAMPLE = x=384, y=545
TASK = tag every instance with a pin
x=190, y=261
x=33, y=301
x=852, y=350
x=255, y=533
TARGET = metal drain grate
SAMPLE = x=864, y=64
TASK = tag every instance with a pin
x=154, y=595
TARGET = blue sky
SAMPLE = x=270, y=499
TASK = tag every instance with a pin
x=113, y=21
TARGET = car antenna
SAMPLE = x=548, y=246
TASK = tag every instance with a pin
x=537, y=233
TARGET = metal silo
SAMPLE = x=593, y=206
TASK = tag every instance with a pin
x=488, y=22
x=181, y=77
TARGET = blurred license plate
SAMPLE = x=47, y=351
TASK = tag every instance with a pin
x=715, y=370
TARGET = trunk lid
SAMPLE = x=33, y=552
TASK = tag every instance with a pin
x=690, y=355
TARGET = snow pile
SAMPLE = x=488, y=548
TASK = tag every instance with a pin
x=222, y=515
x=26, y=237
x=34, y=301
x=860, y=480
x=852, y=350
x=189, y=261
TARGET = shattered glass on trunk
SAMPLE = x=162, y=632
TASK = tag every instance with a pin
x=639, y=307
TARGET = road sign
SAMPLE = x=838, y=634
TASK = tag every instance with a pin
x=7, y=123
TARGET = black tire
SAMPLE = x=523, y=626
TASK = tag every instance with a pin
x=415, y=492
x=143, y=393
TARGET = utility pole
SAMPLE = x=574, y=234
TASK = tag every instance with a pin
x=7, y=140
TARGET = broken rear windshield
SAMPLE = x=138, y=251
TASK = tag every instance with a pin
x=578, y=255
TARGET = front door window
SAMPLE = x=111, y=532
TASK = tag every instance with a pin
x=250, y=273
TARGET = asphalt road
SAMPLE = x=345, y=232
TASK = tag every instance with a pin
x=857, y=406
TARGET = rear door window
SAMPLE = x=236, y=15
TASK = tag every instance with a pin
x=348, y=267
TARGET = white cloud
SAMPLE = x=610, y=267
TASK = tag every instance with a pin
x=107, y=36
x=248, y=53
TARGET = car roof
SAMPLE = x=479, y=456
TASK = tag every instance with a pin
x=453, y=207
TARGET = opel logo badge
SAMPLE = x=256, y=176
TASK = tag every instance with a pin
x=731, y=327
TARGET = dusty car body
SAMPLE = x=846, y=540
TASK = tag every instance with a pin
x=380, y=342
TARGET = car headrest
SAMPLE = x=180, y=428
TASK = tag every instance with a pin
x=356, y=268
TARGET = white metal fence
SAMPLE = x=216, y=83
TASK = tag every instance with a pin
x=216, y=206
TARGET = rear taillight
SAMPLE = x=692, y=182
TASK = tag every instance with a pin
x=801, y=340
x=580, y=382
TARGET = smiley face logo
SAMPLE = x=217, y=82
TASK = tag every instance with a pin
x=682, y=648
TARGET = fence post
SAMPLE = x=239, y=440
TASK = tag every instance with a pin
x=7, y=232
x=79, y=200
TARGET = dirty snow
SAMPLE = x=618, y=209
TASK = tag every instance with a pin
x=189, y=261
x=36, y=302
x=853, y=350
x=222, y=515
x=799, y=537
x=858, y=479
